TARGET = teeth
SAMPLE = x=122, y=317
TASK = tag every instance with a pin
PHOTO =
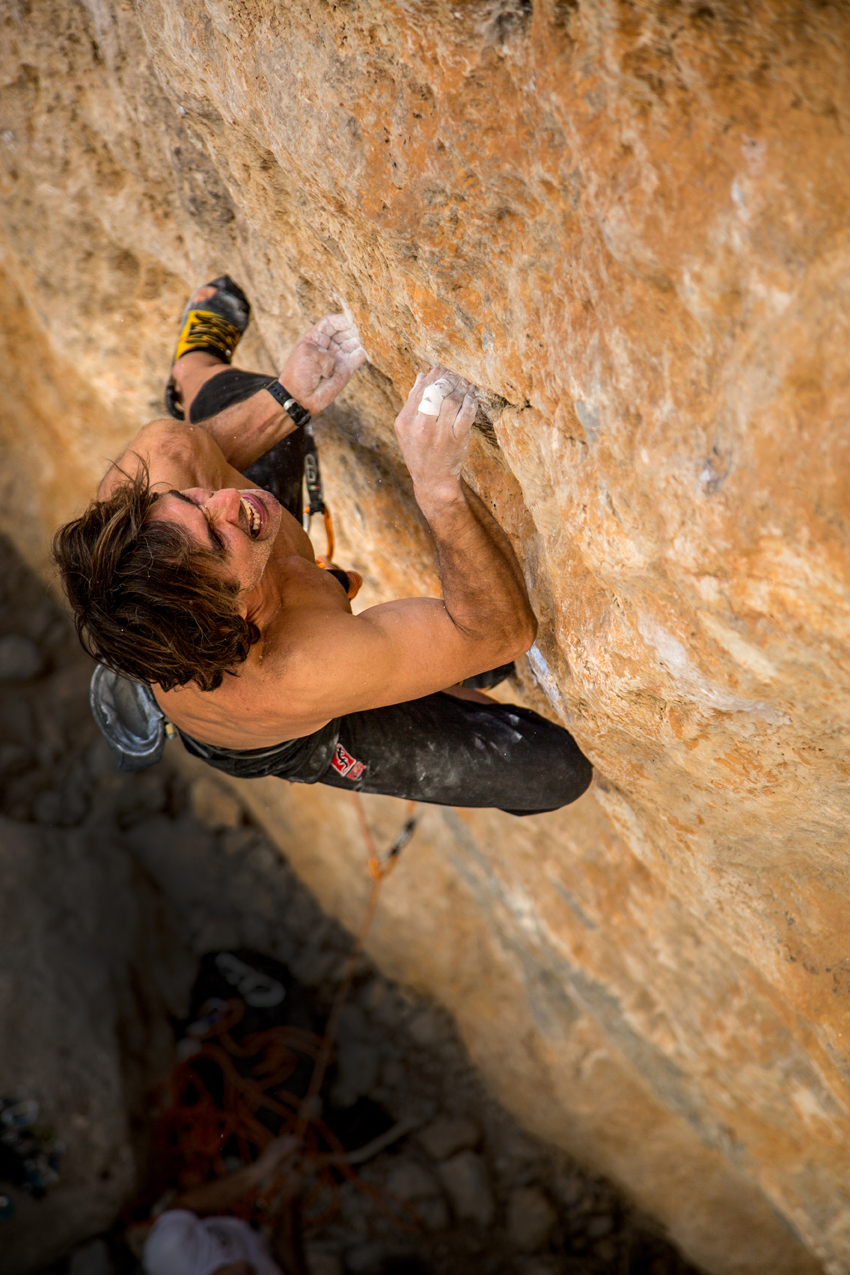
x=253, y=517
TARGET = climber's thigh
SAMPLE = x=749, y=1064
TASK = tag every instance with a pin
x=455, y=752
x=228, y=387
x=280, y=470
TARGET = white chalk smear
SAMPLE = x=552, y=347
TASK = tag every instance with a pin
x=543, y=677
x=693, y=685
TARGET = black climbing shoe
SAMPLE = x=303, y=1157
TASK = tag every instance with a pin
x=214, y=326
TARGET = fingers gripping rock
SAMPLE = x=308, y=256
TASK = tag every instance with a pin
x=432, y=399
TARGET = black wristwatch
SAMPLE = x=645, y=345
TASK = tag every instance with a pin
x=297, y=414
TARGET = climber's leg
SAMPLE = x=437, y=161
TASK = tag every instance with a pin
x=213, y=322
x=440, y=749
x=202, y=383
x=460, y=752
x=188, y=375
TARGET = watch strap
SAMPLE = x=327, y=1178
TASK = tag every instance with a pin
x=298, y=414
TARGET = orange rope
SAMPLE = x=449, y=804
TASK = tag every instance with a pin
x=194, y=1129
x=378, y=870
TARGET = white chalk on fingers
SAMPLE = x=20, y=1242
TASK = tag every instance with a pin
x=432, y=399
x=347, y=343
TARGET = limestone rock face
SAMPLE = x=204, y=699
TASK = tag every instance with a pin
x=627, y=223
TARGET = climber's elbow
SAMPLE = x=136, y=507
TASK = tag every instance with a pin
x=529, y=637
x=522, y=635
x=499, y=635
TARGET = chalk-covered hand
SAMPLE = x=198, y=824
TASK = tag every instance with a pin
x=322, y=362
x=433, y=433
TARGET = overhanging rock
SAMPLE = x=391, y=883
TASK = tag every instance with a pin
x=627, y=225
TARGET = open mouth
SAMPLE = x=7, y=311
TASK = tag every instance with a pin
x=254, y=514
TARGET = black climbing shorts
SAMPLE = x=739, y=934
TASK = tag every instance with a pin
x=439, y=749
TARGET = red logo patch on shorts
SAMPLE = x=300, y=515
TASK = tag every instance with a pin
x=346, y=765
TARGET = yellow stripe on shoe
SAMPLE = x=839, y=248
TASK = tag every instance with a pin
x=204, y=329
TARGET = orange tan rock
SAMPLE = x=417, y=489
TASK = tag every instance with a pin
x=627, y=223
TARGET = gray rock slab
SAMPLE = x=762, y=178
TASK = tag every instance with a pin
x=447, y=1136
x=465, y=1178
x=531, y=1219
x=79, y=940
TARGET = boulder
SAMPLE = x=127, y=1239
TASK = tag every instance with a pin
x=445, y=1136
x=465, y=1179
x=531, y=1219
x=85, y=962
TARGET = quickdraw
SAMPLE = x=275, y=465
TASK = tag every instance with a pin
x=315, y=495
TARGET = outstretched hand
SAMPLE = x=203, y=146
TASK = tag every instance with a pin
x=435, y=441
x=322, y=362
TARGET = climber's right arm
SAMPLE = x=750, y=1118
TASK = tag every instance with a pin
x=333, y=662
x=483, y=586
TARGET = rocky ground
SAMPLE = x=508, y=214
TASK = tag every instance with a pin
x=490, y=1198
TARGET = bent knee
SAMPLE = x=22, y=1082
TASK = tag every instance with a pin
x=564, y=777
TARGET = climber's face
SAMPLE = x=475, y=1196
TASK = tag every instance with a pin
x=239, y=527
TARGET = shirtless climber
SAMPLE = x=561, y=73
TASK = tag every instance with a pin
x=189, y=574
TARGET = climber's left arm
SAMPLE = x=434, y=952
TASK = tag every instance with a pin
x=320, y=365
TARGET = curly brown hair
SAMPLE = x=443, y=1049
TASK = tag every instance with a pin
x=147, y=601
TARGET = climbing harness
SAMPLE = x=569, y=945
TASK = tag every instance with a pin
x=315, y=494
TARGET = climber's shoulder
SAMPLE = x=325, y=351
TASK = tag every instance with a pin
x=172, y=453
x=285, y=688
